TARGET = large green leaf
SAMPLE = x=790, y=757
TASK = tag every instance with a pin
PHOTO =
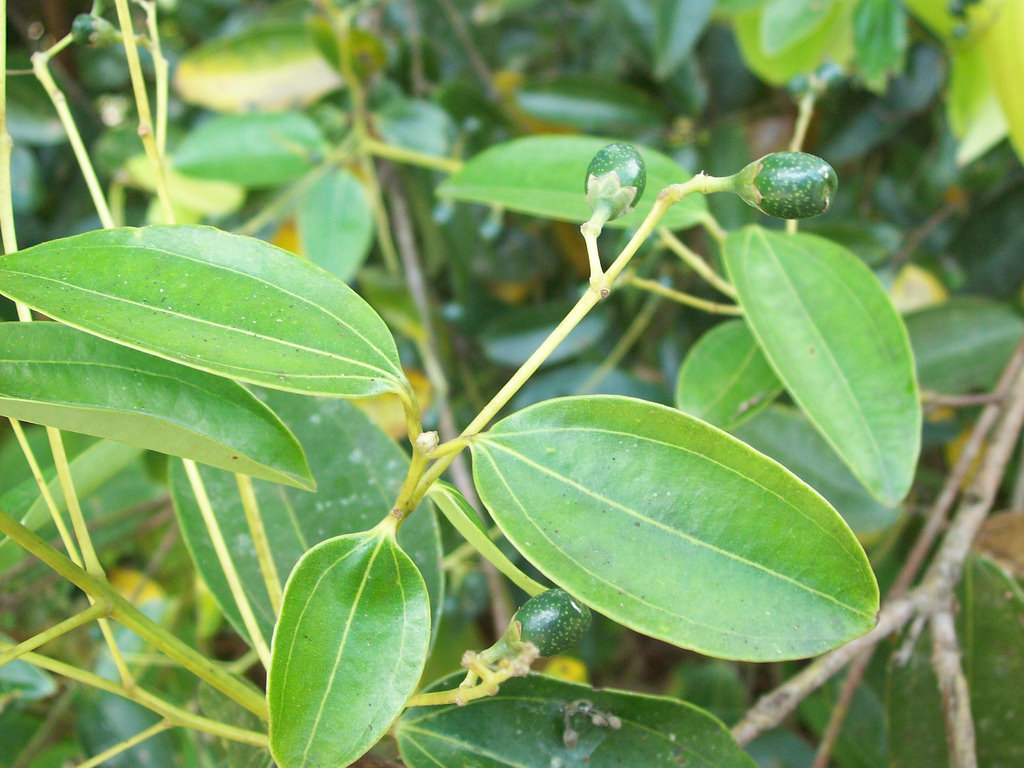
x=786, y=22
x=272, y=66
x=675, y=529
x=917, y=737
x=359, y=470
x=335, y=224
x=258, y=149
x=546, y=176
x=590, y=103
x=828, y=328
x=786, y=435
x=679, y=26
x=348, y=650
x=61, y=377
x=231, y=305
x=964, y=344
x=724, y=378
x=531, y=721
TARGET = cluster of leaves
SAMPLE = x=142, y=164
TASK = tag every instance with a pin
x=719, y=492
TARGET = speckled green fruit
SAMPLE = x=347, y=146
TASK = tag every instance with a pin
x=553, y=621
x=615, y=179
x=87, y=29
x=788, y=185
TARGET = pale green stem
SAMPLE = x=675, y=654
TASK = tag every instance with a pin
x=94, y=611
x=696, y=263
x=40, y=66
x=805, y=110
x=7, y=230
x=146, y=131
x=220, y=547
x=713, y=228
x=175, y=714
x=410, y=156
x=89, y=558
x=160, y=70
x=260, y=543
x=131, y=617
x=591, y=230
x=124, y=746
x=653, y=286
x=44, y=489
x=633, y=332
x=482, y=542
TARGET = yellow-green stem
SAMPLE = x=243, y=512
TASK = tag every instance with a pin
x=124, y=746
x=44, y=489
x=653, y=286
x=410, y=156
x=94, y=611
x=84, y=538
x=696, y=263
x=131, y=617
x=227, y=564
x=146, y=129
x=260, y=543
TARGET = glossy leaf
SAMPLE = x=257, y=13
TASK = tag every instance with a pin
x=828, y=328
x=358, y=469
x=591, y=104
x=678, y=27
x=601, y=492
x=785, y=22
x=963, y=345
x=57, y=376
x=348, y=650
x=972, y=105
x=725, y=378
x=531, y=721
x=21, y=680
x=786, y=435
x=544, y=176
x=991, y=628
x=880, y=36
x=335, y=224
x=258, y=149
x=271, y=67
x=227, y=304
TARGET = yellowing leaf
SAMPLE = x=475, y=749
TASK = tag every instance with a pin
x=1003, y=52
x=915, y=288
x=275, y=66
x=213, y=198
x=386, y=410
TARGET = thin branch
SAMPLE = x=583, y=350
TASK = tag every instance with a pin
x=956, y=695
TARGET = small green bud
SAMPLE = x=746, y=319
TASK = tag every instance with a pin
x=615, y=180
x=87, y=29
x=553, y=621
x=787, y=185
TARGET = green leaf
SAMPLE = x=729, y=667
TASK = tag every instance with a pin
x=991, y=628
x=271, y=67
x=57, y=376
x=531, y=721
x=880, y=36
x=515, y=334
x=917, y=737
x=359, y=470
x=258, y=149
x=679, y=26
x=416, y=124
x=591, y=104
x=21, y=680
x=786, y=22
x=335, y=224
x=601, y=492
x=831, y=40
x=862, y=741
x=972, y=105
x=348, y=650
x=724, y=378
x=204, y=196
x=545, y=176
x=786, y=435
x=963, y=345
x=231, y=305
x=828, y=328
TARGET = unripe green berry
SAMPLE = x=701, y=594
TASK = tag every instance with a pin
x=553, y=621
x=87, y=29
x=787, y=185
x=615, y=181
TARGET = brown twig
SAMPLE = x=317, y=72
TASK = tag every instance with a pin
x=942, y=575
x=956, y=696
x=841, y=709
